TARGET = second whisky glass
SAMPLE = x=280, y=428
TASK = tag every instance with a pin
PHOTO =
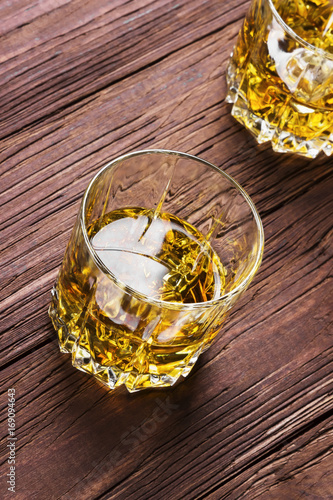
x=280, y=75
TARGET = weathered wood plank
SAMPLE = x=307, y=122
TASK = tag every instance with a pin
x=87, y=53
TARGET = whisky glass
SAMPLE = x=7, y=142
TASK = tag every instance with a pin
x=280, y=75
x=163, y=246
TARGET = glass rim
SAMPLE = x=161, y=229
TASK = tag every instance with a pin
x=294, y=35
x=146, y=298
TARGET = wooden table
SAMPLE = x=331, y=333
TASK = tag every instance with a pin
x=81, y=83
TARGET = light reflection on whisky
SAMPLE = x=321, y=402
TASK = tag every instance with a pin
x=161, y=257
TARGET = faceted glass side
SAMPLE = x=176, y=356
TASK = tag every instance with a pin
x=91, y=350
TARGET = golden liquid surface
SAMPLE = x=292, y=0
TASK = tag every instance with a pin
x=284, y=90
x=161, y=256
x=312, y=20
x=158, y=256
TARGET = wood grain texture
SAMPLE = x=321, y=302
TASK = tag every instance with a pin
x=80, y=83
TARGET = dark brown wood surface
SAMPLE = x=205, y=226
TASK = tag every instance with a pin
x=80, y=83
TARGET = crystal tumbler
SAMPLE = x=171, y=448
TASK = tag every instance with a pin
x=163, y=246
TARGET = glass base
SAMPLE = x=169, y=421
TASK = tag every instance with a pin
x=72, y=342
x=281, y=140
